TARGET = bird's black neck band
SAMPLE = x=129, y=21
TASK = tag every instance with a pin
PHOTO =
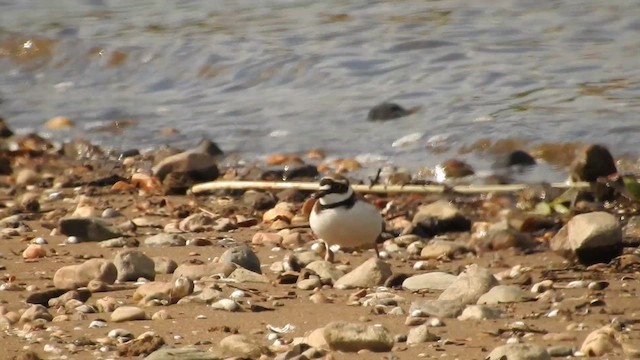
x=346, y=203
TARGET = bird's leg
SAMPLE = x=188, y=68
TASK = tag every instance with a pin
x=328, y=254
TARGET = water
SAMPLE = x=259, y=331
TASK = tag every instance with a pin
x=289, y=75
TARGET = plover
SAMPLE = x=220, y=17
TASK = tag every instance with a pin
x=339, y=217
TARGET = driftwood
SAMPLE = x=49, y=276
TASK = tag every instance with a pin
x=381, y=189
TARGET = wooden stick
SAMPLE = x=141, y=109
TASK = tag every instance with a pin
x=380, y=189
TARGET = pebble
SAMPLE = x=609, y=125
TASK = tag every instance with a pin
x=226, y=304
x=371, y=273
x=34, y=251
x=353, y=337
x=95, y=324
x=128, y=313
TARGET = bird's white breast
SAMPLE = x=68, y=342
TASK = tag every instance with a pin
x=356, y=227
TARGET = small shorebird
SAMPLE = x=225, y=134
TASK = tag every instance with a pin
x=341, y=218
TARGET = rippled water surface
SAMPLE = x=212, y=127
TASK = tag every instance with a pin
x=276, y=75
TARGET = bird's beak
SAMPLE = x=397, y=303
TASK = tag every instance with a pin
x=322, y=191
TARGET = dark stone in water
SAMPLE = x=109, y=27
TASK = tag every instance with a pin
x=594, y=162
x=297, y=172
x=128, y=153
x=515, y=158
x=5, y=132
x=387, y=111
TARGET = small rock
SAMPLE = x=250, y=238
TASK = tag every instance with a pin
x=469, y=285
x=438, y=308
x=453, y=169
x=437, y=249
x=439, y=217
x=165, y=240
x=600, y=342
x=128, y=313
x=59, y=123
x=242, y=275
x=420, y=334
x=353, y=337
x=142, y=346
x=309, y=284
x=560, y=351
x=227, y=305
x=196, y=272
x=34, y=251
x=591, y=163
x=589, y=238
x=519, y=352
x=26, y=177
x=243, y=256
x=133, y=264
x=372, y=272
x=35, y=312
x=479, y=312
x=263, y=238
x=75, y=276
x=515, y=158
x=87, y=229
x=326, y=270
x=501, y=294
x=258, y=200
x=164, y=265
x=388, y=111
x=119, y=242
x=242, y=346
x=428, y=281
x=181, y=171
x=187, y=353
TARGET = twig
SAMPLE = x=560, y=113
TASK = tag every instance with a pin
x=390, y=189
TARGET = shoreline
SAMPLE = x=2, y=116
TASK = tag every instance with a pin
x=60, y=210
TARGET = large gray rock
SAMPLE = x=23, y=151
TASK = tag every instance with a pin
x=469, y=285
x=353, y=337
x=519, y=352
x=589, y=238
x=133, y=264
x=242, y=255
x=74, y=276
x=372, y=272
x=87, y=229
x=165, y=240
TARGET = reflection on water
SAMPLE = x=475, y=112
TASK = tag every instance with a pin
x=238, y=71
